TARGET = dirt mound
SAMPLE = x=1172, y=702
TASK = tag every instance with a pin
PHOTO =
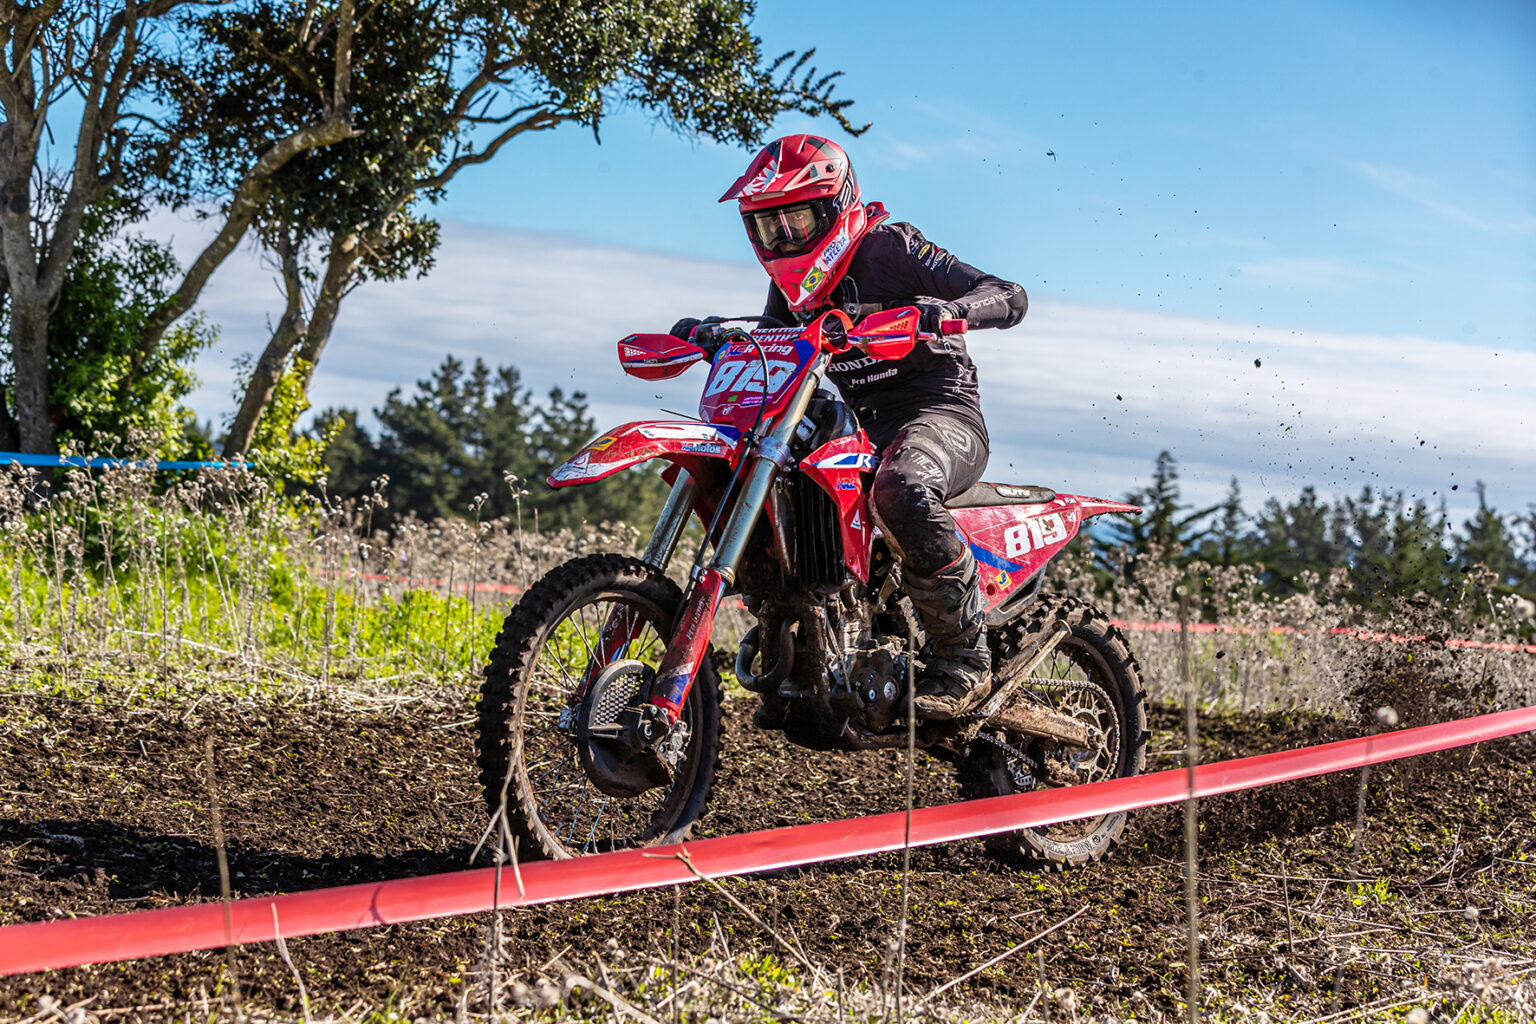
x=107, y=808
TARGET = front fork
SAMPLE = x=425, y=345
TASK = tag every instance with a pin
x=623, y=624
x=714, y=573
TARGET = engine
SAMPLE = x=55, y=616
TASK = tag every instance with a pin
x=867, y=674
x=829, y=670
x=870, y=691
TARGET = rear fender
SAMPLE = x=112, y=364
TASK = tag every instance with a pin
x=1012, y=543
x=683, y=442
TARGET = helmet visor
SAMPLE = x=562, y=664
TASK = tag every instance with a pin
x=790, y=230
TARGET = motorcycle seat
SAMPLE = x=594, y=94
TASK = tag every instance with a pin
x=983, y=493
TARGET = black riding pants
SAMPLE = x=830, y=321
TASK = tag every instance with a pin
x=931, y=458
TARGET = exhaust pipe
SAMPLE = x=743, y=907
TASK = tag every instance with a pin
x=773, y=674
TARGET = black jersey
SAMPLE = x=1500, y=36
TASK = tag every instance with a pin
x=893, y=266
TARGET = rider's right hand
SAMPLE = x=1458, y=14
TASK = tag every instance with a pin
x=708, y=334
x=683, y=329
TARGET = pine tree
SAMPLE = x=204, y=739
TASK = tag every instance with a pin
x=1488, y=541
x=1297, y=538
x=1229, y=541
x=1167, y=521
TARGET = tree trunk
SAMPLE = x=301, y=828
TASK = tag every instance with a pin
x=10, y=430
x=29, y=355
x=268, y=371
x=246, y=203
x=340, y=273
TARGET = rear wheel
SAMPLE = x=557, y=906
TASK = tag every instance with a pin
x=1091, y=676
x=586, y=614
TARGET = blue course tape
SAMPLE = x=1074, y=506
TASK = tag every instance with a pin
x=80, y=462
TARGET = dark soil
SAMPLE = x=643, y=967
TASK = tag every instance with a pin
x=107, y=808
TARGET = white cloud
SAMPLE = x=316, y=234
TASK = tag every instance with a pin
x=1416, y=190
x=1079, y=398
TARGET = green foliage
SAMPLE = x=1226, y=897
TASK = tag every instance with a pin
x=101, y=404
x=464, y=434
x=278, y=448
x=1391, y=549
x=1488, y=541
x=436, y=86
x=255, y=78
x=208, y=569
x=1168, y=522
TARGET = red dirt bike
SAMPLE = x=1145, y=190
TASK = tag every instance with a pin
x=599, y=724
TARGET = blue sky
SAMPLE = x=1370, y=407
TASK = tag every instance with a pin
x=1364, y=167
x=1344, y=192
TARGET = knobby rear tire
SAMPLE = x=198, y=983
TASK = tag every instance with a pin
x=1094, y=651
x=506, y=722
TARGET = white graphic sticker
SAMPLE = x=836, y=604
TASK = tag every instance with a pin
x=1039, y=532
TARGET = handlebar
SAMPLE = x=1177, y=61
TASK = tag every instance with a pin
x=946, y=328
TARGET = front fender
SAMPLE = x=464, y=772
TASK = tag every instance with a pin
x=674, y=440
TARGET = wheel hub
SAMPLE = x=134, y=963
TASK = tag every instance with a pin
x=619, y=759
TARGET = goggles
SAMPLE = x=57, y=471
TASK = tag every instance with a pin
x=790, y=230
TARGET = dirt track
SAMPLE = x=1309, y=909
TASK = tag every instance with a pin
x=105, y=809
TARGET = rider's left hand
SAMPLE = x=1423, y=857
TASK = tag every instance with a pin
x=934, y=314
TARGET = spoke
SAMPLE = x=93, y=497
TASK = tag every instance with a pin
x=560, y=664
x=592, y=832
x=653, y=641
x=575, y=778
x=622, y=619
x=556, y=767
x=582, y=633
x=540, y=731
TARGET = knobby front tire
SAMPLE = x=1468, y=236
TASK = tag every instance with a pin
x=530, y=768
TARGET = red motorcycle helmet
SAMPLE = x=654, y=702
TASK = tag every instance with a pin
x=800, y=202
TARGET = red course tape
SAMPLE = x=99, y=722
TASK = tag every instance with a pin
x=143, y=933
x=1374, y=636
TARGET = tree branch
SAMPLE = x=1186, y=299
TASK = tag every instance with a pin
x=340, y=267
x=247, y=201
x=541, y=121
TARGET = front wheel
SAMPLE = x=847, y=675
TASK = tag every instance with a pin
x=586, y=614
x=1090, y=676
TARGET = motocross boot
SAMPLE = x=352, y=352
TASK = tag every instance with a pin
x=956, y=674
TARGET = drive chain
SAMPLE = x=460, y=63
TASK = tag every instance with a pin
x=1022, y=780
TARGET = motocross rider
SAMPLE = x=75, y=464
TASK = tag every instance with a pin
x=824, y=248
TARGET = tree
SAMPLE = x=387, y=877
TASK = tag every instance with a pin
x=1489, y=542
x=1296, y=538
x=1167, y=521
x=461, y=434
x=441, y=86
x=1229, y=542
x=1417, y=563
x=111, y=56
x=634, y=497
x=113, y=283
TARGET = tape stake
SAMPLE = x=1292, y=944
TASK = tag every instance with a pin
x=50, y=945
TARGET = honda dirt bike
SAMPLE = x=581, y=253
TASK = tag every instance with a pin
x=599, y=723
